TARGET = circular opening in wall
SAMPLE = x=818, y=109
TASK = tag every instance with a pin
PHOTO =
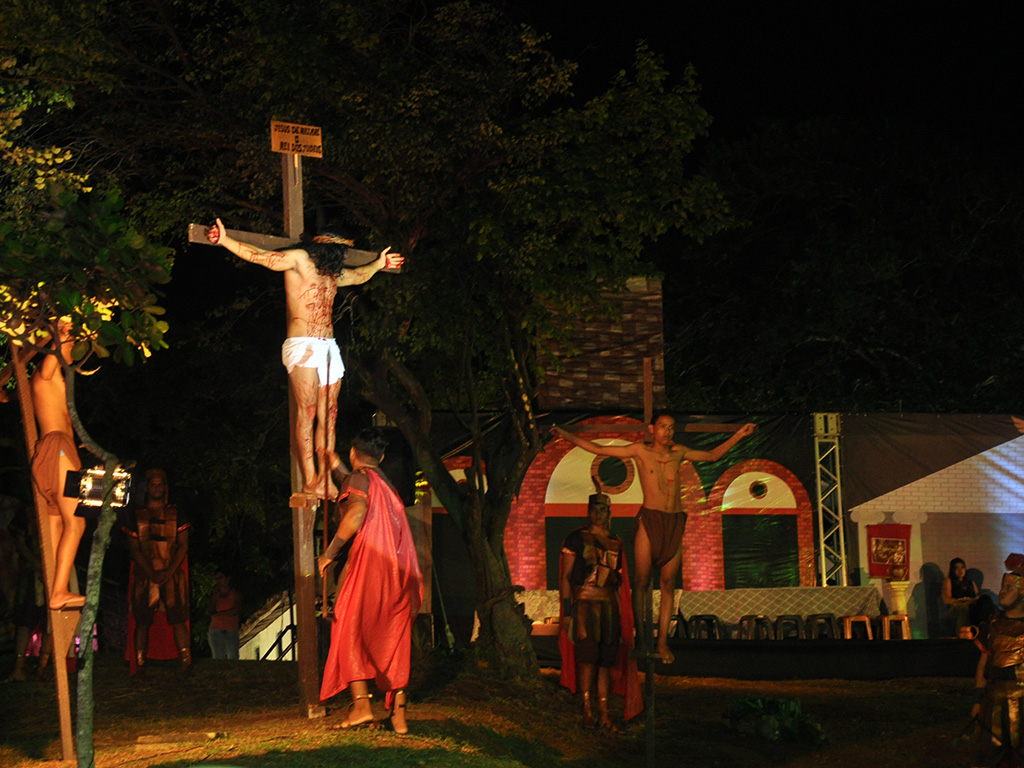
x=758, y=489
x=615, y=474
x=612, y=471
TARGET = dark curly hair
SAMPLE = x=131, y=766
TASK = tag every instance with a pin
x=371, y=442
x=327, y=251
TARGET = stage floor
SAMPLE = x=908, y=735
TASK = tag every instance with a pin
x=806, y=659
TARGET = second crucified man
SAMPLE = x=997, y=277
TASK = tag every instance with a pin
x=658, y=537
x=312, y=274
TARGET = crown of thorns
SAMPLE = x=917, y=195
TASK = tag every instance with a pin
x=334, y=239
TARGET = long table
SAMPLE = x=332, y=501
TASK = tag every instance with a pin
x=731, y=604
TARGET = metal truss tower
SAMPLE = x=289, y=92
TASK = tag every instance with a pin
x=831, y=537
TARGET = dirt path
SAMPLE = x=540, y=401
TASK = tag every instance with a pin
x=164, y=718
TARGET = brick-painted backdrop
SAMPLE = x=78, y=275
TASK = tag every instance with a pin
x=703, y=555
x=803, y=510
x=524, y=534
x=600, y=365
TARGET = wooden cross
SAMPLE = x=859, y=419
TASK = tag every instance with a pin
x=63, y=622
x=303, y=505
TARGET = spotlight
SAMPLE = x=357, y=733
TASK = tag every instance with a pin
x=87, y=486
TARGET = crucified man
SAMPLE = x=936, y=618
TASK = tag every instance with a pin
x=56, y=454
x=312, y=274
x=658, y=536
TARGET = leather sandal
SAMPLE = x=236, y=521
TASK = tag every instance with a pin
x=345, y=725
x=389, y=722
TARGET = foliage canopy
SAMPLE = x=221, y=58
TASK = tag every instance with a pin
x=450, y=133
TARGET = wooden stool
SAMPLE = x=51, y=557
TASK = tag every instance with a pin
x=789, y=620
x=705, y=625
x=896, y=618
x=817, y=622
x=755, y=627
x=849, y=621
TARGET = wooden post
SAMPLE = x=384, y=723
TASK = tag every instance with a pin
x=303, y=505
x=648, y=389
x=303, y=518
x=291, y=177
x=651, y=656
x=62, y=623
x=304, y=509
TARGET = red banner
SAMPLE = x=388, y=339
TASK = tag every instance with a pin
x=888, y=546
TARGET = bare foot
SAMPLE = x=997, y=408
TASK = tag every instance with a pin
x=667, y=657
x=317, y=489
x=588, y=716
x=66, y=601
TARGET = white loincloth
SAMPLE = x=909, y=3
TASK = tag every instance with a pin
x=313, y=352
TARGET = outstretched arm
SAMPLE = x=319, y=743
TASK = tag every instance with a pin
x=351, y=521
x=620, y=451
x=278, y=261
x=722, y=448
x=359, y=275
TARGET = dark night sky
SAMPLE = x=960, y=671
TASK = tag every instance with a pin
x=958, y=67
x=954, y=68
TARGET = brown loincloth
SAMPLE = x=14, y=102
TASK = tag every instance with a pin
x=46, y=466
x=664, y=531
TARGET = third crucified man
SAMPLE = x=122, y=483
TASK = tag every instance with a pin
x=658, y=538
x=312, y=274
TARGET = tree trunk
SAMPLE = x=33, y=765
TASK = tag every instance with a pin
x=504, y=633
x=86, y=705
x=84, y=747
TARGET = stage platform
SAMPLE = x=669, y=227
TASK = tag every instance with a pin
x=789, y=659
x=806, y=659
x=729, y=605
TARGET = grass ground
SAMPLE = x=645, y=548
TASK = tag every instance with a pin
x=246, y=714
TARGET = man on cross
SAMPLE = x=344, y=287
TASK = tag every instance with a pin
x=658, y=536
x=312, y=273
x=56, y=454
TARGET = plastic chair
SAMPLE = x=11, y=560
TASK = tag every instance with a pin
x=786, y=622
x=850, y=621
x=756, y=627
x=821, y=624
x=705, y=626
x=900, y=619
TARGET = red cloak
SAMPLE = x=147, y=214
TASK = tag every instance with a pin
x=371, y=637
x=625, y=677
